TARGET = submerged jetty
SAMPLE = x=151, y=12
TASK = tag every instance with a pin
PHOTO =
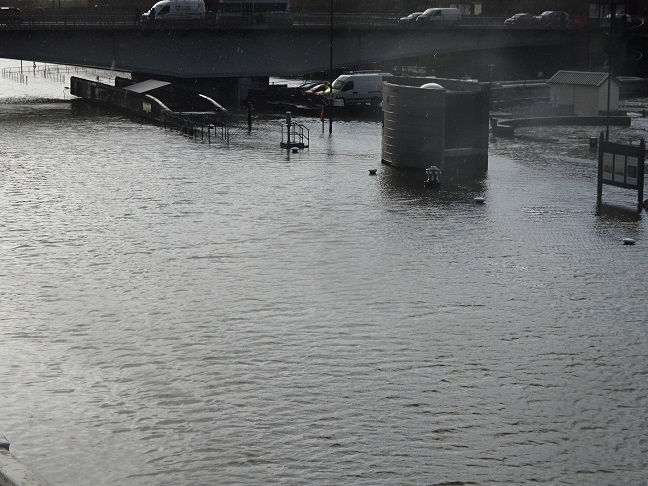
x=157, y=101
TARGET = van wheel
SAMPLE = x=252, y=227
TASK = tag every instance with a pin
x=375, y=101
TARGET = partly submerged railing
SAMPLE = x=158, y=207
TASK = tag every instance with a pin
x=196, y=124
x=297, y=135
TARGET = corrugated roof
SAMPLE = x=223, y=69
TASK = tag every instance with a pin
x=579, y=78
x=144, y=86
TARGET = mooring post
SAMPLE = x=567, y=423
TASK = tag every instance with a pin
x=433, y=174
x=599, y=184
x=288, y=121
x=641, y=175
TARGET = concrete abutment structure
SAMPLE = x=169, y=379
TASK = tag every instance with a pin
x=436, y=122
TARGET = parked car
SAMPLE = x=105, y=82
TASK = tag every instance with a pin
x=11, y=16
x=621, y=20
x=520, y=20
x=410, y=18
x=314, y=94
x=308, y=85
x=439, y=16
x=553, y=18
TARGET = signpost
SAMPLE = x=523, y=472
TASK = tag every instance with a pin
x=621, y=166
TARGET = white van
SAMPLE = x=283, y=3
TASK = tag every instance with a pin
x=440, y=16
x=357, y=89
x=176, y=10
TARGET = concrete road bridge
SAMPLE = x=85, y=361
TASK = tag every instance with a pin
x=196, y=49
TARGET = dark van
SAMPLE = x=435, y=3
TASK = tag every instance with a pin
x=11, y=16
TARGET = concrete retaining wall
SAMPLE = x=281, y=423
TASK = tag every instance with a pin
x=15, y=473
x=129, y=101
x=446, y=126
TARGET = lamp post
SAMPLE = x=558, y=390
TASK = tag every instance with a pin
x=609, y=80
x=331, y=75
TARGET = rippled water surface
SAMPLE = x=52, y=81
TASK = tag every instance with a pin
x=178, y=312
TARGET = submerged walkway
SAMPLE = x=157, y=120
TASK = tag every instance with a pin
x=506, y=127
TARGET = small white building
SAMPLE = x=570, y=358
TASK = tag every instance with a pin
x=586, y=92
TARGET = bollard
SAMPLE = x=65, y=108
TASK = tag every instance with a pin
x=249, y=117
x=322, y=117
x=433, y=174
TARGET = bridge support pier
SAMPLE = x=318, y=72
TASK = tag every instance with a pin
x=230, y=91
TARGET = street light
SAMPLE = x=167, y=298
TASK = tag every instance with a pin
x=331, y=75
x=609, y=80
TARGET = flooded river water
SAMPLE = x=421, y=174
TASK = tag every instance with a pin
x=177, y=312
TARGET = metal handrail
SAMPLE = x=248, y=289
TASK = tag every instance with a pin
x=84, y=18
x=195, y=125
x=294, y=132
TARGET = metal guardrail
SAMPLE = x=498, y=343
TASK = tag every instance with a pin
x=195, y=125
x=54, y=72
x=297, y=135
x=84, y=18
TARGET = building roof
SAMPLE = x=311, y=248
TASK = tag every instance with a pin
x=144, y=86
x=579, y=78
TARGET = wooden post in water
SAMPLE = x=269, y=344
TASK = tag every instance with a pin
x=640, y=176
x=288, y=121
x=599, y=185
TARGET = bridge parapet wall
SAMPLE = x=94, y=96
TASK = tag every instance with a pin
x=202, y=51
